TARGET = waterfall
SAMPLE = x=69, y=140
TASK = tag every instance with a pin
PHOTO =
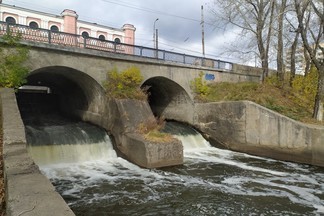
x=68, y=142
x=191, y=139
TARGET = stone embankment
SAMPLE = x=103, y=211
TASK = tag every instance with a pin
x=28, y=192
x=248, y=127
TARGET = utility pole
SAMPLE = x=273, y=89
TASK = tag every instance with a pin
x=202, y=31
x=157, y=39
x=153, y=32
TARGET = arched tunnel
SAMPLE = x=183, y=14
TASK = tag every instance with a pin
x=70, y=91
x=168, y=99
x=73, y=92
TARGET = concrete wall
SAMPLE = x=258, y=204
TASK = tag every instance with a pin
x=28, y=192
x=122, y=118
x=248, y=127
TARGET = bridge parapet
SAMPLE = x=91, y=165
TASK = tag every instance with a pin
x=72, y=40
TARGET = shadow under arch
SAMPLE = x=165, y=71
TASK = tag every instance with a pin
x=168, y=99
x=74, y=90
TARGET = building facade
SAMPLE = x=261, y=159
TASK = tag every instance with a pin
x=67, y=22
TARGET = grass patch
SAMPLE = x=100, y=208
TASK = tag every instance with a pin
x=284, y=100
x=151, y=131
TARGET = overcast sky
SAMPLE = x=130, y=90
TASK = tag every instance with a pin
x=179, y=23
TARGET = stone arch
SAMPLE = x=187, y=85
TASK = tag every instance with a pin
x=168, y=99
x=77, y=92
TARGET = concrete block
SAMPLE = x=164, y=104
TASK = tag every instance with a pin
x=151, y=155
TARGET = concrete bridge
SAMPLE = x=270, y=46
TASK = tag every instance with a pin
x=76, y=76
x=74, y=68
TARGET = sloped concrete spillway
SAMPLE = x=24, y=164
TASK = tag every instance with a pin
x=211, y=182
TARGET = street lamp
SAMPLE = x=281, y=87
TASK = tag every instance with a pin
x=154, y=42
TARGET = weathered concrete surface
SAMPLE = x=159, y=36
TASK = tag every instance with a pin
x=247, y=127
x=28, y=192
x=122, y=118
x=151, y=155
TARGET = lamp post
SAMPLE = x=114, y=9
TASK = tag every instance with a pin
x=154, y=43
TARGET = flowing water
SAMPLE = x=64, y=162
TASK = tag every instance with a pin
x=80, y=161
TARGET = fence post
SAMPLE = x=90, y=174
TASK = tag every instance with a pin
x=49, y=36
x=8, y=28
x=184, y=58
x=115, y=46
x=203, y=61
x=84, y=42
x=141, y=51
x=164, y=55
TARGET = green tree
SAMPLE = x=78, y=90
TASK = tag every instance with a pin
x=13, y=73
x=125, y=84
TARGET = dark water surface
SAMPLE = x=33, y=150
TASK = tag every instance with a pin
x=94, y=181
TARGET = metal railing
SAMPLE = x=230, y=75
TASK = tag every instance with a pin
x=65, y=39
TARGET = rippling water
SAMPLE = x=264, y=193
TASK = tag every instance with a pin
x=211, y=182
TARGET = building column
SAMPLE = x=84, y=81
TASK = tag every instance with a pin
x=70, y=21
x=44, y=24
x=22, y=20
x=93, y=33
x=129, y=37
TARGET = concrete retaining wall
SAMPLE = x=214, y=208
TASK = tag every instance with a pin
x=122, y=118
x=248, y=127
x=28, y=192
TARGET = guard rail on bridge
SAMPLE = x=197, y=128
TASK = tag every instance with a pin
x=65, y=39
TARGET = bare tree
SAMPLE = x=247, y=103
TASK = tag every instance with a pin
x=280, y=48
x=253, y=17
x=312, y=37
x=293, y=58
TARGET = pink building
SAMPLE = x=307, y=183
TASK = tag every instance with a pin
x=66, y=22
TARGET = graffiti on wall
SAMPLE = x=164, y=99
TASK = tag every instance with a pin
x=209, y=77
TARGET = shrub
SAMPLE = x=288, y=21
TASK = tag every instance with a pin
x=125, y=84
x=150, y=130
x=306, y=87
x=200, y=87
x=12, y=71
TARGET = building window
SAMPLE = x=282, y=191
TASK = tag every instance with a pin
x=85, y=34
x=102, y=37
x=117, y=40
x=11, y=20
x=33, y=25
x=54, y=28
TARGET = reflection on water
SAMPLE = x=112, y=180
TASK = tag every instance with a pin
x=211, y=182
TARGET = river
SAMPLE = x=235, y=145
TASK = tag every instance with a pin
x=80, y=161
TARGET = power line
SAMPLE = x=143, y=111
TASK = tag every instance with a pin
x=149, y=10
